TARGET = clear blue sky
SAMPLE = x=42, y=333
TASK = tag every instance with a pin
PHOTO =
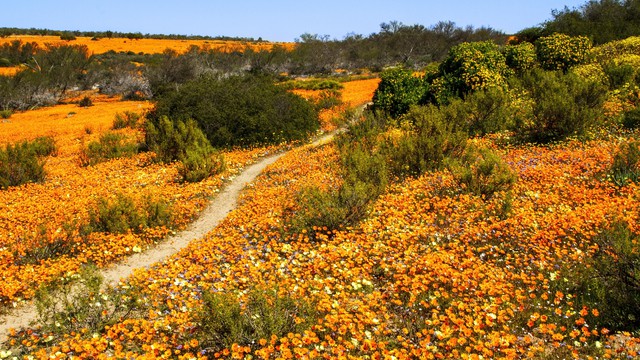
x=274, y=20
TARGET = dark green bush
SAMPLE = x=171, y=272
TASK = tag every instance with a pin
x=398, y=91
x=120, y=214
x=20, y=164
x=85, y=102
x=223, y=321
x=67, y=36
x=240, y=110
x=44, y=146
x=563, y=105
x=631, y=118
x=125, y=119
x=184, y=142
x=327, y=100
x=482, y=172
x=314, y=84
x=489, y=111
x=5, y=114
x=626, y=163
x=110, y=146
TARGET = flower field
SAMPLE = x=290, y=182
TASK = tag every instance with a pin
x=147, y=46
x=433, y=272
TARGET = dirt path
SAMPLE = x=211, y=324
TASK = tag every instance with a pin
x=216, y=211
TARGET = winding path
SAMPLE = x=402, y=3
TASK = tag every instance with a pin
x=216, y=211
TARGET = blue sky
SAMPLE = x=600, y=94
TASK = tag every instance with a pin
x=274, y=20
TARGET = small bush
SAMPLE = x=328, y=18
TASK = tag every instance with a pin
x=110, y=146
x=561, y=52
x=521, y=57
x=85, y=102
x=619, y=75
x=482, y=172
x=314, y=84
x=563, y=105
x=223, y=321
x=20, y=164
x=489, y=111
x=5, y=114
x=184, y=142
x=398, y=91
x=67, y=36
x=626, y=163
x=429, y=138
x=44, y=146
x=126, y=119
x=327, y=100
x=631, y=118
x=120, y=215
x=77, y=304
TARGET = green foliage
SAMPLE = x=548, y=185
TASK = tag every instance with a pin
x=328, y=99
x=488, y=111
x=520, y=57
x=609, y=279
x=85, y=102
x=313, y=84
x=626, y=163
x=631, y=118
x=5, y=114
x=240, y=110
x=120, y=214
x=21, y=163
x=67, y=36
x=428, y=137
x=563, y=105
x=184, y=142
x=472, y=66
x=482, y=172
x=223, y=320
x=110, y=146
x=619, y=75
x=126, y=119
x=398, y=91
x=78, y=304
x=561, y=52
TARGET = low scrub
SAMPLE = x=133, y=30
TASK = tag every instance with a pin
x=225, y=320
x=120, y=214
x=22, y=163
x=110, y=146
x=482, y=172
x=126, y=119
x=626, y=163
x=313, y=84
x=184, y=142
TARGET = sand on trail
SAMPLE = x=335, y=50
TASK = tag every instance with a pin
x=214, y=213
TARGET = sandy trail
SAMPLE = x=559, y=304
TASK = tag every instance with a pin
x=216, y=211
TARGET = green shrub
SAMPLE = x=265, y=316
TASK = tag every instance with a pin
x=563, y=105
x=626, y=163
x=482, y=172
x=5, y=114
x=120, y=215
x=20, y=164
x=239, y=110
x=631, y=118
x=619, y=75
x=397, y=91
x=85, y=102
x=78, y=304
x=223, y=320
x=489, y=111
x=126, y=119
x=609, y=280
x=67, y=36
x=429, y=138
x=44, y=146
x=520, y=57
x=184, y=142
x=561, y=52
x=327, y=100
x=110, y=146
x=313, y=84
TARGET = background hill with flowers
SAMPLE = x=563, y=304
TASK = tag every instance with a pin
x=484, y=204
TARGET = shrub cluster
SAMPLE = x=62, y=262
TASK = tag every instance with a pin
x=120, y=214
x=561, y=52
x=240, y=110
x=126, y=119
x=184, y=142
x=110, y=146
x=398, y=91
x=626, y=163
x=22, y=163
